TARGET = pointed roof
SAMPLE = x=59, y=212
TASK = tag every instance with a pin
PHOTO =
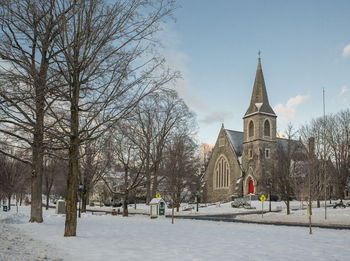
x=259, y=101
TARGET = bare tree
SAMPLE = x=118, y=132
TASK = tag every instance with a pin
x=337, y=153
x=292, y=156
x=54, y=169
x=315, y=130
x=107, y=70
x=338, y=137
x=156, y=118
x=94, y=164
x=126, y=154
x=180, y=166
x=27, y=31
x=13, y=177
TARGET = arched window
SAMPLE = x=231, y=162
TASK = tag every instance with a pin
x=251, y=129
x=267, y=128
x=222, y=173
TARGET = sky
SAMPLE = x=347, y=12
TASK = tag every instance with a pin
x=305, y=47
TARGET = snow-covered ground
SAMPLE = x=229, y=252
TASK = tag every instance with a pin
x=106, y=237
x=298, y=214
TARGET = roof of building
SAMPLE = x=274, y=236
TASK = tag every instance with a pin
x=236, y=141
x=156, y=201
x=259, y=101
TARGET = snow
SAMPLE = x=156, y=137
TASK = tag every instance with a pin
x=298, y=212
x=258, y=105
x=137, y=237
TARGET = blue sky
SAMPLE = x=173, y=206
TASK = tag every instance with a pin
x=305, y=47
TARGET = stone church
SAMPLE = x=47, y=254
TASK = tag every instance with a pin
x=242, y=162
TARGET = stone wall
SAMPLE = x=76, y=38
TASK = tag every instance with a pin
x=224, y=148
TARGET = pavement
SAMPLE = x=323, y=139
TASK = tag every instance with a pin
x=236, y=218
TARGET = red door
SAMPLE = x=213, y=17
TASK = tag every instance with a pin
x=250, y=187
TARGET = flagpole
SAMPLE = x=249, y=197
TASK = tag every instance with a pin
x=324, y=157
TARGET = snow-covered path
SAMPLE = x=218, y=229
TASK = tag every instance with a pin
x=139, y=238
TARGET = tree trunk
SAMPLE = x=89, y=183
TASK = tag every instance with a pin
x=288, y=206
x=155, y=181
x=36, y=213
x=9, y=202
x=148, y=182
x=125, y=204
x=177, y=207
x=72, y=183
x=47, y=200
x=154, y=185
x=83, y=202
x=72, y=179
x=85, y=199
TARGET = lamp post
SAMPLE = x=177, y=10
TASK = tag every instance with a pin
x=80, y=188
x=197, y=198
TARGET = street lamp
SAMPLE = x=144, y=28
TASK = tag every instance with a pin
x=80, y=189
x=197, y=198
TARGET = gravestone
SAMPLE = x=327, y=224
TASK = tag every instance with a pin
x=61, y=206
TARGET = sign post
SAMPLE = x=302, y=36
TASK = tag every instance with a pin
x=262, y=199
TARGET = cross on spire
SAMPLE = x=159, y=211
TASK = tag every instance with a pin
x=259, y=53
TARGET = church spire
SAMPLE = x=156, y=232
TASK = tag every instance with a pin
x=259, y=101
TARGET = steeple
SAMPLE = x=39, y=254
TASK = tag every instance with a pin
x=259, y=101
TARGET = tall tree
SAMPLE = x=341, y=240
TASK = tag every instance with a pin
x=338, y=137
x=292, y=155
x=156, y=119
x=180, y=166
x=28, y=29
x=128, y=157
x=107, y=68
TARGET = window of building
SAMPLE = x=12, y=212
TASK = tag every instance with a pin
x=267, y=153
x=251, y=129
x=267, y=128
x=222, y=173
x=250, y=154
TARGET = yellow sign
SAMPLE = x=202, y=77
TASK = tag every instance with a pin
x=158, y=195
x=308, y=211
x=262, y=198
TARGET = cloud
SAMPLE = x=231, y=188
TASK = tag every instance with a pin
x=217, y=117
x=346, y=51
x=177, y=60
x=343, y=90
x=344, y=94
x=286, y=112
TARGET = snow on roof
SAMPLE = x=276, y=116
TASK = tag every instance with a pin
x=156, y=201
x=258, y=105
x=236, y=141
x=295, y=144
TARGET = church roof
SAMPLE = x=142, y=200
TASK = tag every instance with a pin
x=236, y=141
x=295, y=145
x=259, y=101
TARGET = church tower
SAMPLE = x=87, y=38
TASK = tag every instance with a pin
x=259, y=139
